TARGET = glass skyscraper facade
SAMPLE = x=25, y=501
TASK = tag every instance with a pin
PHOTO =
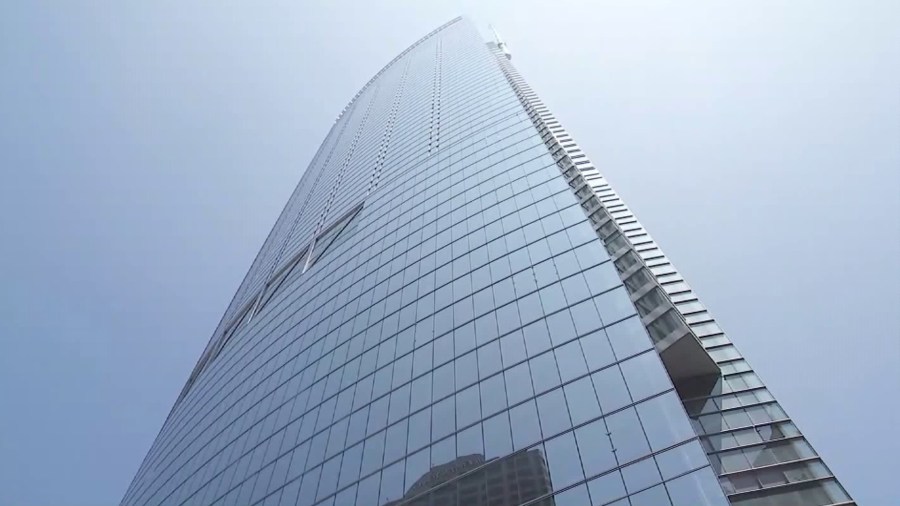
x=454, y=308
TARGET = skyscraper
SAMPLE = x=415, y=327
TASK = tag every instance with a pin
x=455, y=308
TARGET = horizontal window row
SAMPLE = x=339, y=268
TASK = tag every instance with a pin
x=738, y=418
x=735, y=367
x=715, y=340
x=697, y=392
x=817, y=493
x=682, y=297
x=698, y=407
x=749, y=436
x=724, y=353
x=774, y=476
x=734, y=461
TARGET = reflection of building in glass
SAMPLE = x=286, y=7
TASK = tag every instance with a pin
x=498, y=482
x=454, y=308
x=443, y=473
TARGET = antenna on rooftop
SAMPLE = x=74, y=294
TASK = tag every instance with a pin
x=500, y=44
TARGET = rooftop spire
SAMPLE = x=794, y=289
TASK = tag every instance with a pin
x=500, y=44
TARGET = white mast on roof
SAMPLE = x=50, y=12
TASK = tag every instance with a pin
x=500, y=44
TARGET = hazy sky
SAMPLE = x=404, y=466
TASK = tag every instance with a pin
x=146, y=149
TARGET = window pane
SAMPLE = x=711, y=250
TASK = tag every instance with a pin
x=577, y=496
x=640, y=475
x=645, y=375
x=373, y=455
x=518, y=383
x=628, y=338
x=664, y=421
x=443, y=419
x=570, y=359
x=497, y=436
x=680, y=459
x=597, y=351
x=421, y=392
x=553, y=412
x=700, y=488
x=544, y=372
x=469, y=441
x=493, y=394
x=655, y=496
x=614, y=305
x=537, y=338
x=392, y=482
x=561, y=326
x=525, y=427
x=563, y=461
x=443, y=382
x=419, y=430
x=627, y=435
x=610, y=388
x=512, y=347
x=395, y=441
x=606, y=488
x=582, y=401
x=489, y=359
x=596, y=452
x=468, y=406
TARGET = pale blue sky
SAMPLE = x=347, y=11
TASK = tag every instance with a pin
x=147, y=148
